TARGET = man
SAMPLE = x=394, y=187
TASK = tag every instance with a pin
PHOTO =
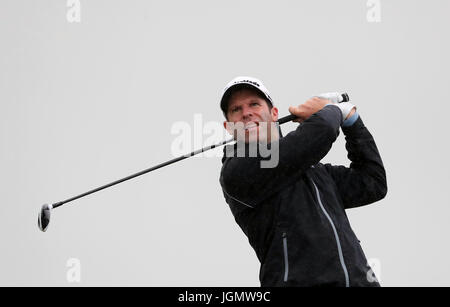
x=294, y=213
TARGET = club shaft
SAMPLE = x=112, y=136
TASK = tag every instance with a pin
x=142, y=172
x=195, y=152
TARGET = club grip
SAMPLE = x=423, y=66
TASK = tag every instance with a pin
x=286, y=119
x=344, y=98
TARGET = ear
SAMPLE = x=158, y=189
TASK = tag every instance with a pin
x=225, y=125
x=274, y=113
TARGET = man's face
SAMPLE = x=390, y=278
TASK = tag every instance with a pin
x=249, y=110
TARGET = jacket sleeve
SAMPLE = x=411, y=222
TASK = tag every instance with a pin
x=364, y=182
x=245, y=182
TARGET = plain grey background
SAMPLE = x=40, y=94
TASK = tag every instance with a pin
x=83, y=104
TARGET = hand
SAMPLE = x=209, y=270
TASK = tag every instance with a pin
x=305, y=110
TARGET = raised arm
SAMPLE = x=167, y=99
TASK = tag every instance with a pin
x=364, y=182
x=246, y=182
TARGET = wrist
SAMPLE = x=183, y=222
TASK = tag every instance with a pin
x=351, y=113
x=350, y=120
x=346, y=108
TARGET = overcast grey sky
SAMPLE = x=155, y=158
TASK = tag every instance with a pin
x=85, y=103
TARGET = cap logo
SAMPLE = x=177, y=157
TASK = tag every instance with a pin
x=247, y=81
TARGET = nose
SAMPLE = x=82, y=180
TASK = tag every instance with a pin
x=247, y=113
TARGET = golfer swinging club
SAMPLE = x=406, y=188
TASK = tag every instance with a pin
x=294, y=213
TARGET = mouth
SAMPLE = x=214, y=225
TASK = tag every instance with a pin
x=251, y=125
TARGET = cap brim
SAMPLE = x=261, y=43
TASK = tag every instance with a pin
x=227, y=94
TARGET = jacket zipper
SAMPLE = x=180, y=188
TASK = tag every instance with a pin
x=286, y=261
x=341, y=255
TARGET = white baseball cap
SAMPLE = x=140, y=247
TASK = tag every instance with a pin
x=239, y=83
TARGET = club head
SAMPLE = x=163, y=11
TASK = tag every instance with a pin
x=44, y=217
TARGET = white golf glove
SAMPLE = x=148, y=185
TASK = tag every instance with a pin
x=336, y=99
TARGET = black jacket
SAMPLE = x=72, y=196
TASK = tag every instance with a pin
x=294, y=214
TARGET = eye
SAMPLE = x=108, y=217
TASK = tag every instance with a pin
x=254, y=104
x=235, y=109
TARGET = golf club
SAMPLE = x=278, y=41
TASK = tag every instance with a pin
x=45, y=212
